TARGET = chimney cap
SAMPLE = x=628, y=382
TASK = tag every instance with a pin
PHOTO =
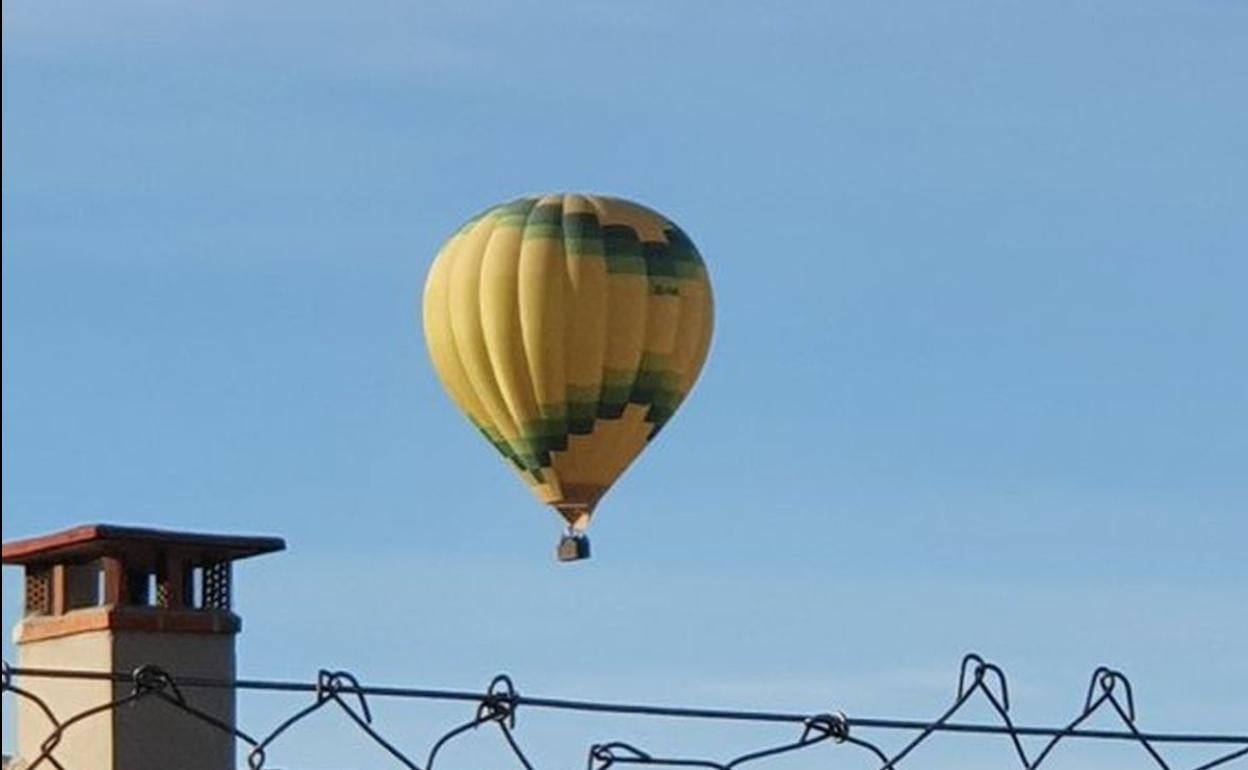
x=136, y=544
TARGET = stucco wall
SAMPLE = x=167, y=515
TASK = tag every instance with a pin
x=90, y=743
x=148, y=735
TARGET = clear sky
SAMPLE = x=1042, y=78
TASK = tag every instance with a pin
x=978, y=382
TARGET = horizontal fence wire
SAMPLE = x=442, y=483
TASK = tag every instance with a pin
x=1109, y=691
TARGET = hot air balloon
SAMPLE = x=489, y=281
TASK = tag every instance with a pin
x=568, y=328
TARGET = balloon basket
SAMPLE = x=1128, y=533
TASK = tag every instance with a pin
x=573, y=547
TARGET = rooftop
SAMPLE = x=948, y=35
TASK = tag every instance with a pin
x=139, y=545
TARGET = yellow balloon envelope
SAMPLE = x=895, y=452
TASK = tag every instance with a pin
x=568, y=328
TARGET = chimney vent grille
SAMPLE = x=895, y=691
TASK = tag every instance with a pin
x=217, y=586
x=38, y=591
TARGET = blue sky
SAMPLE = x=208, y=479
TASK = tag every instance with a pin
x=978, y=381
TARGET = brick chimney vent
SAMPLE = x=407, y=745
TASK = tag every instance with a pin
x=107, y=576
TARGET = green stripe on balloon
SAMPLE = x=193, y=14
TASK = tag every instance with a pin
x=613, y=396
x=582, y=409
x=544, y=221
x=582, y=235
x=680, y=246
x=513, y=214
x=622, y=249
x=581, y=224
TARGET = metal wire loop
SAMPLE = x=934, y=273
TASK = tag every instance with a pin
x=979, y=673
x=605, y=753
x=500, y=701
x=151, y=679
x=1108, y=680
x=332, y=684
x=834, y=726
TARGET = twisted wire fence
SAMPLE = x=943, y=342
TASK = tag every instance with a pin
x=1109, y=692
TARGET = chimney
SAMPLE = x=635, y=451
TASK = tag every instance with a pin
x=110, y=598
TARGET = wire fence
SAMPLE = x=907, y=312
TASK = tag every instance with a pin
x=881, y=743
